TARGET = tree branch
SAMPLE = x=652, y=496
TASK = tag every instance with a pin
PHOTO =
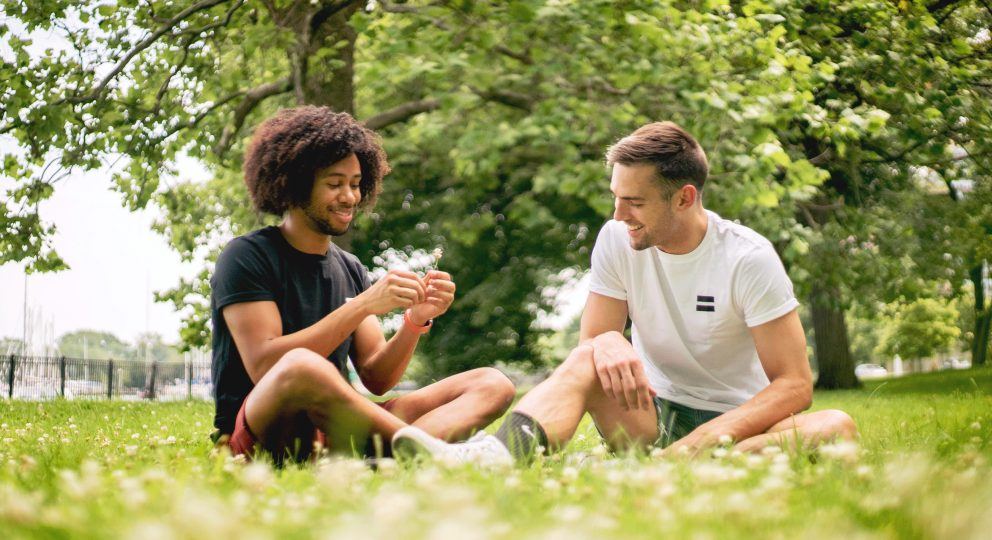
x=168, y=80
x=223, y=22
x=506, y=97
x=144, y=44
x=822, y=158
x=523, y=58
x=401, y=113
x=252, y=98
x=325, y=13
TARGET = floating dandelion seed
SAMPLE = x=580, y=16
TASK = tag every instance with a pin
x=437, y=254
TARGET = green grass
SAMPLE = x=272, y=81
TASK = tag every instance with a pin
x=93, y=469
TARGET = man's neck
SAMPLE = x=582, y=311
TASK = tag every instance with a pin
x=295, y=230
x=692, y=232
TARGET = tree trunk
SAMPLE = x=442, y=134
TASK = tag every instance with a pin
x=983, y=318
x=332, y=83
x=833, y=352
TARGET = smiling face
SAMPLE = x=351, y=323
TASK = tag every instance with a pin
x=639, y=202
x=334, y=197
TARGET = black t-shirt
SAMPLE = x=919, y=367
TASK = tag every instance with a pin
x=262, y=265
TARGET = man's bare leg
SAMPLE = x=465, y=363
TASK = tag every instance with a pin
x=302, y=383
x=453, y=408
x=803, y=430
x=559, y=403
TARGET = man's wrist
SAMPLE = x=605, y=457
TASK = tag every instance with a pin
x=415, y=319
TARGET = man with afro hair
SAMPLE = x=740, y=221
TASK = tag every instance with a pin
x=289, y=308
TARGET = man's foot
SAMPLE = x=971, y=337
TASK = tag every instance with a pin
x=482, y=449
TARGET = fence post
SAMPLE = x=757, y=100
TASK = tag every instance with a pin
x=189, y=378
x=150, y=386
x=10, y=377
x=62, y=376
x=110, y=378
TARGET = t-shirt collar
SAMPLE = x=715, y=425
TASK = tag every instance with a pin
x=702, y=248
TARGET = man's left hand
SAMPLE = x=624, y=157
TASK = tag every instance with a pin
x=696, y=442
x=440, y=294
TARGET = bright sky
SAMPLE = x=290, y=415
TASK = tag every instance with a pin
x=116, y=263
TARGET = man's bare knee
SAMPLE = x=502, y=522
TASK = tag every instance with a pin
x=839, y=424
x=498, y=389
x=578, y=371
x=303, y=377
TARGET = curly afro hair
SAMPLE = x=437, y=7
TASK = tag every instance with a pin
x=287, y=150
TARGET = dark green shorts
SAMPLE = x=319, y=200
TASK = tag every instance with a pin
x=676, y=421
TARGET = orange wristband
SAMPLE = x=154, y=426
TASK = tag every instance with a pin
x=407, y=322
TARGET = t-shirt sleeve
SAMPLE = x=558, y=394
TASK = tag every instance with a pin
x=242, y=274
x=762, y=290
x=605, y=274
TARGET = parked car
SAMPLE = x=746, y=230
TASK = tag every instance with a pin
x=870, y=371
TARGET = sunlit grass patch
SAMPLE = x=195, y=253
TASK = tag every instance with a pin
x=147, y=470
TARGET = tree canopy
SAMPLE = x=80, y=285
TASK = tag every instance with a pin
x=818, y=117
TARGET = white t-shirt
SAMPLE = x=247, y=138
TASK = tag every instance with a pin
x=691, y=313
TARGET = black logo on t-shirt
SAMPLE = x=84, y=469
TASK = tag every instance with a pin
x=705, y=303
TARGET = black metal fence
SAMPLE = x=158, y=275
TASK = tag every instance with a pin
x=48, y=377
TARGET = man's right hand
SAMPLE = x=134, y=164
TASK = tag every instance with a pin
x=397, y=289
x=621, y=372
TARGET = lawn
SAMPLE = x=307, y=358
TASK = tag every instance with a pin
x=95, y=469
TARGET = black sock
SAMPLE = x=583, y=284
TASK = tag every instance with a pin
x=523, y=437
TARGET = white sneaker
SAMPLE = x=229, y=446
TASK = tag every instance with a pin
x=481, y=449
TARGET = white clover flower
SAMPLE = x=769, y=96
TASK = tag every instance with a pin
x=550, y=484
x=847, y=451
x=725, y=439
x=569, y=474
x=720, y=453
x=513, y=481
x=712, y=473
x=256, y=476
x=771, y=450
x=976, y=426
x=569, y=514
x=615, y=477
x=773, y=483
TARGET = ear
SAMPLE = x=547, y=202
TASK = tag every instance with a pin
x=686, y=197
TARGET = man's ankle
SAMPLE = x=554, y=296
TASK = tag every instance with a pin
x=523, y=436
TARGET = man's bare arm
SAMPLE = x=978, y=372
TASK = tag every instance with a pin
x=381, y=364
x=781, y=346
x=620, y=371
x=257, y=326
x=257, y=331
